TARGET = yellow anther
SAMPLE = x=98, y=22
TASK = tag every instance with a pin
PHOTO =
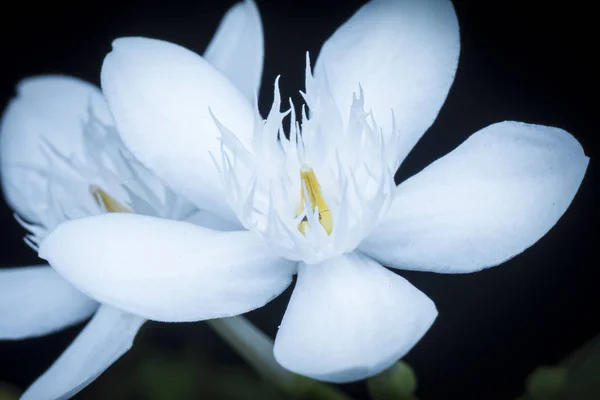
x=307, y=175
x=103, y=199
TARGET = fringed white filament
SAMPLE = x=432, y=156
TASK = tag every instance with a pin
x=62, y=189
x=354, y=162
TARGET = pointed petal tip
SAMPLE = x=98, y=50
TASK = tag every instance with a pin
x=124, y=40
x=250, y=6
x=555, y=136
x=146, y=45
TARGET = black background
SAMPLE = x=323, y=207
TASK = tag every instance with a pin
x=520, y=60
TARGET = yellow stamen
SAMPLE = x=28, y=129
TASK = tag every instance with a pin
x=103, y=199
x=307, y=175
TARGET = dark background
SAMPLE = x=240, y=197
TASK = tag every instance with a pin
x=531, y=61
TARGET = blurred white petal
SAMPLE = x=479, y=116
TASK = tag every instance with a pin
x=237, y=48
x=105, y=338
x=35, y=301
x=48, y=108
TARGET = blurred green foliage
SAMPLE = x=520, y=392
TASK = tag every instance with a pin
x=191, y=374
x=190, y=362
x=576, y=378
x=547, y=383
x=398, y=382
x=8, y=392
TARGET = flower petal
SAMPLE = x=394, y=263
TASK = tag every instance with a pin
x=160, y=94
x=35, y=301
x=482, y=204
x=403, y=54
x=48, y=108
x=350, y=318
x=105, y=338
x=212, y=221
x=166, y=270
x=237, y=49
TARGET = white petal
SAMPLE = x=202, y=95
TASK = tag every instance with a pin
x=212, y=221
x=404, y=55
x=485, y=202
x=105, y=338
x=35, y=301
x=160, y=94
x=350, y=318
x=237, y=49
x=166, y=270
x=48, y=108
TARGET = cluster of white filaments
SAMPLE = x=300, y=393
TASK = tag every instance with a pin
x=318, y=192
x=106, y=178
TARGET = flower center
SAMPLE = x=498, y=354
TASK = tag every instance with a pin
x=354, y=159
x=312, y=189
x=106, y=202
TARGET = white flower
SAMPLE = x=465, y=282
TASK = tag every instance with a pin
x=324, y=198
x=61, y=159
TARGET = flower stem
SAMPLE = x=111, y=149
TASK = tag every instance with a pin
x=256, y=349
